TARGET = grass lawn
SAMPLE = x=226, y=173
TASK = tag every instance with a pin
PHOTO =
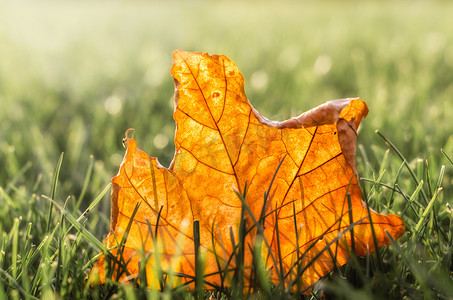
x=74, y=76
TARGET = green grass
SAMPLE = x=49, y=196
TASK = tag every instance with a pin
x=75, y=76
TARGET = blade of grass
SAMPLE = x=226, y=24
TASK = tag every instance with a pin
x=372, y=191
x=441, y=177
x=394, y=189
x=42, y=276
x=94, y=202
x=392, y=196
x=373, y=233
x=449, y=246
x=351, y=220
x=421, y=221
x=26, y=238
x=54, y=189
x=255, y=222
x=267, y=193
x=260, y=269
x=86, y=234
x=263, y=215
x=15, y=239
x=446, y=155
x=157, y=221
x=85, y=182
x=404, y=160
x=217, y=256
x=425, y=198
x=157, y=267
x=428, y=178
x=296, y=230
x=196, y=243
x=437, y=225
x=416, y=269
x=411, y=200
x=239, y=274
x=328, y=245
x=16, y=285
x=279, y=253
x=92, y=261
x=123, y=263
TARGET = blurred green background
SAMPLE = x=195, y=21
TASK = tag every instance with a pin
x=74, y=76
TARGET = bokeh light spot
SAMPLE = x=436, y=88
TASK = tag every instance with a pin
x=160, y=141
x=322, y=65
x=113, y=105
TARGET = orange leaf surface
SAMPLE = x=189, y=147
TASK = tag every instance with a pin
x=224, y=145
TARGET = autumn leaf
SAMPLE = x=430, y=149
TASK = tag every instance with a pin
x=224, y=147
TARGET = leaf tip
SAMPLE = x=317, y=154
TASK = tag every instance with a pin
x=127, y=136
